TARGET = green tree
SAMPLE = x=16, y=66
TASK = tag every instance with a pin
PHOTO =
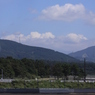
x=75, y=70
x=30, y=66
x=66, y=70
x=57, y=70
x=81, y=73
x=40, y=66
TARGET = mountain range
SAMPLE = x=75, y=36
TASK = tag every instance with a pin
x=88, y=54
x=19, y=51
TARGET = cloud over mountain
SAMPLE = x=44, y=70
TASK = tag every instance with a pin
x=48, y=40
x=76, y=38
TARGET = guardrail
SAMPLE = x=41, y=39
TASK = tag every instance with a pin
x=19, y=90
x=55, y=90
x=47, y=90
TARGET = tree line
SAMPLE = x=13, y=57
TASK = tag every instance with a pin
x=28, y=68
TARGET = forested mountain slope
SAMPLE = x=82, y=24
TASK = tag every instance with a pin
x=88, y=53
x=19, y=51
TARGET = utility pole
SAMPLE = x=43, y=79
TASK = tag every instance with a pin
x=84, y=70
x=19, y=39
x=2, y=73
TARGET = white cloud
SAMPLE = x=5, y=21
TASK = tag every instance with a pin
x=90, y=18
x=76, y=38
x=47, y=35
x=68, y=12
x=35, y=35
x=41, y=36
x=9, y=37
x=32, y=35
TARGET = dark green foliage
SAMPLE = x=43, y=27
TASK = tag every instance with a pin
x=66, y=70
x=19, y=51
x=75, y=70
x=31, y=69
x=28, y=68
x=57, y=70
x=40, y=68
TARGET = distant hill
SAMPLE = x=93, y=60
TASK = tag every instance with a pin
x=89, y=53
x=19, y=51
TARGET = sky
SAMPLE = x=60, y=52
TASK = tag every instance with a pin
x=62, y=25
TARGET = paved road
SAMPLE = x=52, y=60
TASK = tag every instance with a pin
x=49, y=94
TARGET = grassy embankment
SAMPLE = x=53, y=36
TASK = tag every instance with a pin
x=46, y=84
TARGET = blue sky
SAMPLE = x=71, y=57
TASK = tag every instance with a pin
x=62, y=25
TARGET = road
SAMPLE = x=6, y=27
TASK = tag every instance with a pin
x=48, y=94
